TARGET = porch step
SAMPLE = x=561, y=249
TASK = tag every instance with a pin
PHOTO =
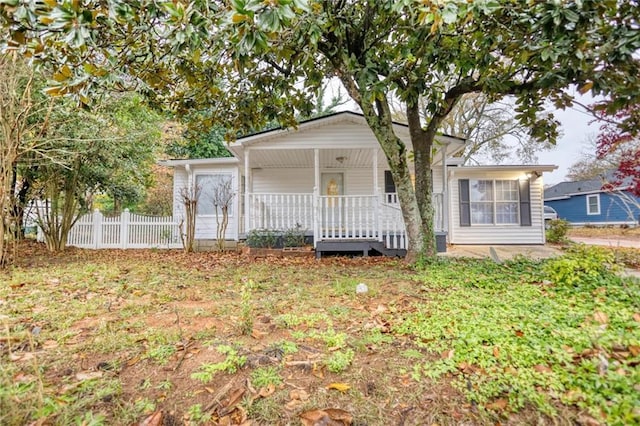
x=365, y=247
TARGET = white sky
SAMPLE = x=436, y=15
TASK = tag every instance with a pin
x=575, y=132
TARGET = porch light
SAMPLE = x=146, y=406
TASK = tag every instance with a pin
x=533, y=175
x=340, y=159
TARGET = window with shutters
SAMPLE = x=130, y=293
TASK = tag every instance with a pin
x=494, y=202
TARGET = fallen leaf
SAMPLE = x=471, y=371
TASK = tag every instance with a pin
x=499, y=404
x=293, y=405
x=154, y=419
x=338, y=415
x=24, y=378
x=542, y=368
x=601, y=317
x=342, y=387
x=634, y=349
x=88, y=375
x=317, y=371
x=267, y=391
x=299, y=394
x=234, y=398
x=256, y=334
x=448, y=354
x=133, y=361
x=585, y=420
x=314, y=418
x=519, y=333
x=496, y=351
x=636, y=317
x=23, y=356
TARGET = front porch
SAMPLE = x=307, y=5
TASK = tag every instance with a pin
x=342, y=219
x=330, y=177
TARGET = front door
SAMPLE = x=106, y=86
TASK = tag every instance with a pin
x=332, y=188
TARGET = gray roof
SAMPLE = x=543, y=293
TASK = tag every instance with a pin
x=566, y=189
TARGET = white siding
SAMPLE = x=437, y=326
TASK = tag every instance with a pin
x=180, y=180
x=496, y=234
x=339, y=135
x=288, y=181
x=206, y=225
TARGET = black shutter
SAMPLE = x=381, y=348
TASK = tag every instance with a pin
x=465, y=206
x=525, y=203
x=389, y=185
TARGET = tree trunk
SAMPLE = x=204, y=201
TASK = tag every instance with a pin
x=381, y=123
x=422, y=142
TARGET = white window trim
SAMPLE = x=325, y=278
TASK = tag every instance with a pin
x=597, y=197
x=231, y=176
x=495, y=202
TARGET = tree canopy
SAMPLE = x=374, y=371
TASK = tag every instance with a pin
x=252, y=61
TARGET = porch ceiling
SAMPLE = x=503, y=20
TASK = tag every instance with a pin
x=303, y=158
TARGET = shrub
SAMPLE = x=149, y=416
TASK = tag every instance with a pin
x=294, y=237
x=581, y=264
x=261, y=238
x=557, y=231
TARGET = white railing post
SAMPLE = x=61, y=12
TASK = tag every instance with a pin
x=378, y=210
x=97, y=229
x=125, y=218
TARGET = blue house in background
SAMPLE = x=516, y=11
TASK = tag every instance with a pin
x=586, y=203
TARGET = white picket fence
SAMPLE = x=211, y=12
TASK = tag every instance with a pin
x=126, y=230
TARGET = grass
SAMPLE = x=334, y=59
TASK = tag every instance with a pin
x=111, y=337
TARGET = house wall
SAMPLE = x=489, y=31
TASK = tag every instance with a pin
x=347, y=135
x=613, y=210
x=495, y=234
x=206, y=225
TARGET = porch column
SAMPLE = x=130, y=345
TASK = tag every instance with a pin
x=376, y=193
x=445, y=191
x=247, y=187
x=316, y=195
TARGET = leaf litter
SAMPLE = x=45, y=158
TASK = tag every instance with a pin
x=143, y=302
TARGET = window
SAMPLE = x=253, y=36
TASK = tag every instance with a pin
x=214, y=186
x=494, y=202
x=593, y=204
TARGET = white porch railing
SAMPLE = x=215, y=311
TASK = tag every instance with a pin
x=127, y=230
x=349, y=217
x=344, y=217
x=280, y=211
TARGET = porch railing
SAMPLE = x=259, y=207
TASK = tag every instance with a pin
x=347, y=217
x=280, y=211
x=344, y=217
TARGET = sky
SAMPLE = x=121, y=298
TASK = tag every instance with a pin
x=576, y=130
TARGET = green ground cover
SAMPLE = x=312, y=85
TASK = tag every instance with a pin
x=122, y=337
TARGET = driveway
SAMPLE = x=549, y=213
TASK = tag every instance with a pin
x=502, y=252
x=609, y=242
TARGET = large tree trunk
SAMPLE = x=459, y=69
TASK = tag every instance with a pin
x=421, y=243
x=417, y=211
x=422, y=142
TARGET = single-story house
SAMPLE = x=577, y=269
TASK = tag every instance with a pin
x=585, y=202
x=330, y=177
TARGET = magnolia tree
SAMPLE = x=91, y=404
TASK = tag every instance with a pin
x=247, y=62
